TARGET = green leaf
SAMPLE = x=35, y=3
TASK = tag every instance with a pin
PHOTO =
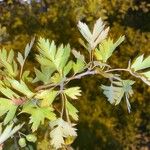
x=44, y=75
x=48, y=51
x=26, y=77
x=56, y=78
x=9, y=108
x=21, y=87
x=68, y=68
x=8, y=92
x=106, y=48
x=38, y=115
x=64, y=58
x=47, y=97
x=79, y=66
x=73, y=92
x=140, y=63
x=7, y=61
x=72, y=110
x=146, y=74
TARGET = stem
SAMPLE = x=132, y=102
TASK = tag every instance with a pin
x=63, y=105
x=118, y=69
x=21, y=70
x=78, y=76
x=67, y=114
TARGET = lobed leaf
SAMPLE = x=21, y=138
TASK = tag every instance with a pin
x=38, y=114
x=106, y=49
x=73, y=92
x=9, y=108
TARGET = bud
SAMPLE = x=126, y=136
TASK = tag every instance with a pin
x=22, y=142
x=31, y=138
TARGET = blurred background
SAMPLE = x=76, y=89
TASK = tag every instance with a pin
x=101, y=126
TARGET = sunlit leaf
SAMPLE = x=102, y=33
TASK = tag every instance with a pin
x=99, y=33
x=38, y=115
x=9, y=131
x=9, y=108
x=72, y=110
x=73, y=92
x=140, y=63
x=47, y=97
x=21, y=87
x=117, y=90
x=106, y=49
x=60, y=130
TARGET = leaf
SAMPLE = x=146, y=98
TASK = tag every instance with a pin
x=9, y=131
x=146, y=74
x=8, y=92
x=79, y=66
x=7, y=61
x=38, y=115
x=117, y=90
x=7, y=107
x=20, y=59
x=47, y=97
x=140, y=63
x=106, y=48
x=73, y=92
x=44, y=75
x=68, y=68
x=56, y=78
x=114, y=94
x=57, y=137
x=48, y=51
x=60, y=130
x=72, y=110
x=78, y=55
x=28, y=48
x=99, y=33
x=26, y=77
x=21, y=87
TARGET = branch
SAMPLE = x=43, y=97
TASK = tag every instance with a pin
x=78, y=76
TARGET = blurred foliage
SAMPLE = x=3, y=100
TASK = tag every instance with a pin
x=101, y=125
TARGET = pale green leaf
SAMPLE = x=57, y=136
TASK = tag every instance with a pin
x=146, y=74
x=60, y=130
x=20, y=59
x=73, y=92
x=117, y=90
x=141, y=63
x=21, y=87
x=72, y=110
x=28, y=48
x=98, y=35
x=106, y=48
x=47, y=97
x=38, y=115
x=9, y=131
x=7, y=61
x=8, y=92
x=9, y=108
x=68, y=68
x=114, y=94
x=78, y=55
x=79, y=66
